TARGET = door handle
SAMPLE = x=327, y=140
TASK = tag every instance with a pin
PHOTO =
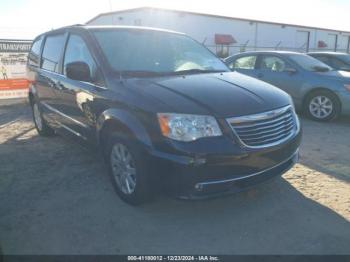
x=52, y=84
x=56, y=85
x=59, y=85
x=260, y=75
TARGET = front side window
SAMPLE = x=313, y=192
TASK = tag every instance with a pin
x=34, y=54
x=77, y=51
x=155, y=51
x=272, y=63
x=246, y=62
x=345, y=58
x=52, y=52
x=309, y=63
x=338, y=63
x=324, y=59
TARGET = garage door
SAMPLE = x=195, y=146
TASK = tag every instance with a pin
x=332, y=41
x=343, y=43
x=302, y=41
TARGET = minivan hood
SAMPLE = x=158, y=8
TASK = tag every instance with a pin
x=222, y=95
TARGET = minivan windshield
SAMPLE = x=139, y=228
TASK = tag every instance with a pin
x=151, y=52
x=309, y=63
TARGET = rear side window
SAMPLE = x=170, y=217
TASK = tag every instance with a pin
x=52, y=52
x=337, y=63
x=34, y=54
x=246, y=62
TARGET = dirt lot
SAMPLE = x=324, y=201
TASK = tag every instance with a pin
x=55, y=198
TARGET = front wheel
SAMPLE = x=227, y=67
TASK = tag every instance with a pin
x=322, y=106
x=129, y=170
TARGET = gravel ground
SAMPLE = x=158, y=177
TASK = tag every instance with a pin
x=55, y=198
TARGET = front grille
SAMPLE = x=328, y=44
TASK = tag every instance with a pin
x=265, y=129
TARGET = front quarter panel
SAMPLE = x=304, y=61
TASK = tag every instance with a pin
x=32, y=92
x=126, y=119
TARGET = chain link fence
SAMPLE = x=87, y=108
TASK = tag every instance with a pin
x=228, y=50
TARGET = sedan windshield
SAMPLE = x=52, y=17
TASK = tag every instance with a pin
x=345, y=58
x=309, y=63
x=151, y=53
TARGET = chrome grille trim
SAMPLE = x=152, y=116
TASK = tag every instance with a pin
x=289, y=122
x=264, y=123
x=272, y=139
x=266, y=129
x=260, y=116
x=269, y=135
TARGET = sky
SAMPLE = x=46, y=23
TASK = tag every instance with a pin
x=24, y=19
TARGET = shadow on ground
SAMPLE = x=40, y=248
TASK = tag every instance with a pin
x=326, y=147
x=57, y=199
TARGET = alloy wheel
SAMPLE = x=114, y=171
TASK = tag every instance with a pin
x=321, y=107
x=123, y=168
x=37, y=117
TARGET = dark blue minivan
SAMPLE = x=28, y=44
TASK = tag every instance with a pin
x=163, y=110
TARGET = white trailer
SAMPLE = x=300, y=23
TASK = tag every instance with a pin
x=229, y=35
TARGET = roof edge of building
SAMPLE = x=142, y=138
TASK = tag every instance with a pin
x=211, y=15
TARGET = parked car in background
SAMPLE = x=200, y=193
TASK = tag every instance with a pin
x=317, y=89
x=338, y=61
x=162, y=108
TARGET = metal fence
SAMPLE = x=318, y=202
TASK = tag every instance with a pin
x=227, y=50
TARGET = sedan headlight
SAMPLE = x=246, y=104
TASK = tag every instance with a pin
x=186, y=127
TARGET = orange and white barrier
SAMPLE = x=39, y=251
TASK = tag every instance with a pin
x=13, y=59
x=14, y=88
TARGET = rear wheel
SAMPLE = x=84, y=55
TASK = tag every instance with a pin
x=129, y=169
x=40, y=124
x=322, y=106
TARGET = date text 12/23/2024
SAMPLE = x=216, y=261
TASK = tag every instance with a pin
x=173, y=258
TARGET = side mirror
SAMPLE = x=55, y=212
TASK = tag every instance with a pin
x=78, y=71
x=290, y=70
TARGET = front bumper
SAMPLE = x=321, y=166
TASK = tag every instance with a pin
x=202, y=176
x=345, y=102
x=233, y=185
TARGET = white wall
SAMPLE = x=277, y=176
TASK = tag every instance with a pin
x=203, y=28
x=343, y=41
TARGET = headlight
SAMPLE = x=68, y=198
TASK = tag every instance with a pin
x=185, y=127
x=347, y=87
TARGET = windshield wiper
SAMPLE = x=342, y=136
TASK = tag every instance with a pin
x=196, y=71
x=145, y=73
x=139, y=73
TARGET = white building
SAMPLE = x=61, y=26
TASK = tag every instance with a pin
x=228, y=35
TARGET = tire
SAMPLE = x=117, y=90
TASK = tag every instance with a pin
x=131, y=180
x=322, y=106
x=41, y=126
